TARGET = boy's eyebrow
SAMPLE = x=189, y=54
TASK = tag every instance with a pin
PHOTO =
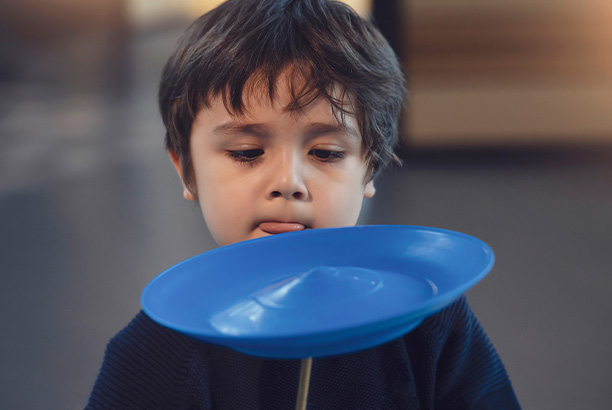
x=321, y=128
x=232, y=127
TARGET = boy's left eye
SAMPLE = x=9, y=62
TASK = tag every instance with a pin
x=247, y=155
x=326, y=155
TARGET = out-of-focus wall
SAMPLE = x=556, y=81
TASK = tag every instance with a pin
x=506, y=71
x=69, y=44
x=147, y=12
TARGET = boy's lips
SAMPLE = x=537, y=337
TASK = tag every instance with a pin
x=281, y=227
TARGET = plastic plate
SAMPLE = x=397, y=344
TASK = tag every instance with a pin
x=318, y=292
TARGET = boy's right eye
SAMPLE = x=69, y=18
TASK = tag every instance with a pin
x=246, y=155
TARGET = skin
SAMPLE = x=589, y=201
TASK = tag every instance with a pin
x=273, y=171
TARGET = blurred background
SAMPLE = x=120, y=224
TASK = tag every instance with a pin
x=508, y=137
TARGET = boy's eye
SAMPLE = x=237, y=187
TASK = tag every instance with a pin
x=326, y=155
x=246, y=155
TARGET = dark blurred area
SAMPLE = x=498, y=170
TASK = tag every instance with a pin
x=507, y=137
x=72, y=46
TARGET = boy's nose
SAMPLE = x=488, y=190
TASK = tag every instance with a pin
x=287, y=181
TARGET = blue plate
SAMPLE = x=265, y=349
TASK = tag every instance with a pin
x=318, y=292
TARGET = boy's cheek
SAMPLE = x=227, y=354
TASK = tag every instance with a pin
x=224, y=211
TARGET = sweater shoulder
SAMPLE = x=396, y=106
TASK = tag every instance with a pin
x=145, y=366
x=458, y=359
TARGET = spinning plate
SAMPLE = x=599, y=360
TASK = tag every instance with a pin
x=318, y=292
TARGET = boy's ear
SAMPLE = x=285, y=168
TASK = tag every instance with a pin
x=187, y=194
x=369, y=190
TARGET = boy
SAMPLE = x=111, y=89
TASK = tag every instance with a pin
x=279, y=114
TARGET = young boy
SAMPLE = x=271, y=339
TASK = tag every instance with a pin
x=279, y=114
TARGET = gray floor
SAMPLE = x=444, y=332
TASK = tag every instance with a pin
x=90, y=211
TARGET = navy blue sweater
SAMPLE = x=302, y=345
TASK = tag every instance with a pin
x=445, y=363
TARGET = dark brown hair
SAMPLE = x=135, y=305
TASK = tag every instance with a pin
x=336, y=54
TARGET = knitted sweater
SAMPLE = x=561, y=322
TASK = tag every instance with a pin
x=445, y=363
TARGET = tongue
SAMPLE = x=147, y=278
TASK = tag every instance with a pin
x=280, y=227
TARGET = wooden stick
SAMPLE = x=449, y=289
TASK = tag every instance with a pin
x=302, y=397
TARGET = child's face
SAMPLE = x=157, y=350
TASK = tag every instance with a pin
x=275, y=171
